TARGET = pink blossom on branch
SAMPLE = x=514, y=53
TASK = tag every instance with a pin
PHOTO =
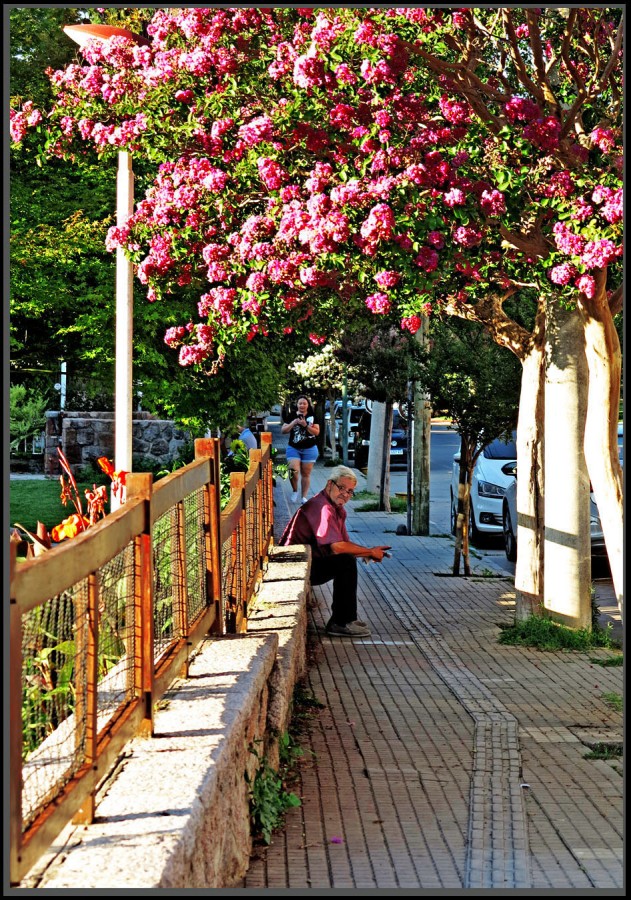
x=379, y=303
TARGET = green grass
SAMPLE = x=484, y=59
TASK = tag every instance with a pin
x=397, y=504
x=611, y=661
x=614, y=701
x=37, y=499
x=544, y=634
x=604, y=751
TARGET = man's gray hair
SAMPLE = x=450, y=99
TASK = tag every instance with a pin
x=342, y=472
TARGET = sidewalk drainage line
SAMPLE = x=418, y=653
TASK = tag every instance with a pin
x=497, y=845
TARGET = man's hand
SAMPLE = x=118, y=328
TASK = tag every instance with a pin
x=378, y=553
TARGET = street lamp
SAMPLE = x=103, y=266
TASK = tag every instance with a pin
x=82, y=34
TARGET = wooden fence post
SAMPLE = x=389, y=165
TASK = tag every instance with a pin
x=15, y=726
x=140, y=484
x=239, y=558
x=268, y=474
x=209, y=447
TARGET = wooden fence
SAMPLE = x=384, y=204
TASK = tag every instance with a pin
x=101, y=626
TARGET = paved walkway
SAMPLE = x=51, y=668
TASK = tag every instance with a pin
x=441, y=759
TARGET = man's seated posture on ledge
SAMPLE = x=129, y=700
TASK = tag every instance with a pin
x=321, y=523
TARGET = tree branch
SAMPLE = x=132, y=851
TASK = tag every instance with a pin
x=532, y=244
x=490, y=313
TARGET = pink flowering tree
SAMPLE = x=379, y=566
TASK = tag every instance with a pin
x=319, y=171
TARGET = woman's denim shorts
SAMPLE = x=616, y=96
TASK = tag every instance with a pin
x=307, y=456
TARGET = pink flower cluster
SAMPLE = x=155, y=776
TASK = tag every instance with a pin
x=467, y=236
x=612, y=208
x=521, y=109
x=586, y=285
x=309, y=70
x=218, y=300
x=272, y=174
x=427, y=259
x=563, y=274
x=378, y=303
x=492, y=203
x=544, y=133
x=257, y=130
x=455, y=111
x=387, y=279
x=598, y=254
x=379, y=225
x=604, y=138
x=566, y=241
x=411, y=323
x=561, y=184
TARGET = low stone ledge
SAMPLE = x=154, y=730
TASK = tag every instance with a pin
x=281, y=608
x=176, y=813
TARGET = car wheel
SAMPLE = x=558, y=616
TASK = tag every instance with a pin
x=510, y=541
x=453, y=515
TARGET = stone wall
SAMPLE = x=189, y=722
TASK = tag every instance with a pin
x=84, y=436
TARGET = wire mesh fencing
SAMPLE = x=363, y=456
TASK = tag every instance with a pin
x=101, y=626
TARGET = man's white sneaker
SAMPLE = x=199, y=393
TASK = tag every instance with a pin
x=304, y=499
x=294, y=497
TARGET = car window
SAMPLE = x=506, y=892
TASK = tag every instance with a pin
x=500, y=450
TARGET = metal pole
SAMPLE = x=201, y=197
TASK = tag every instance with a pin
x=124, y=322
x=62, y=387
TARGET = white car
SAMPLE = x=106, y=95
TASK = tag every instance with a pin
x=491, y=477
x=509, y=515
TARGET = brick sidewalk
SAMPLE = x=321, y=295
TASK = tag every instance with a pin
x=442, y=759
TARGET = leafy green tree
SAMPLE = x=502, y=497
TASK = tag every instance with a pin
x=384, y=362
x=27, y=410
x=478, y=384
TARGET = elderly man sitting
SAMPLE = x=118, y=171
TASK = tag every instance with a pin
x=321, y=523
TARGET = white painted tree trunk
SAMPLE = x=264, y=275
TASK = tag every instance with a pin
x=603, y=353
x=567, y=550
x=375, y=450
x=529, y=569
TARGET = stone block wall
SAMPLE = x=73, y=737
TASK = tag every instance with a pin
x=84, y=436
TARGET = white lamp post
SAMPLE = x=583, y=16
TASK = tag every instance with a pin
x=82, y=34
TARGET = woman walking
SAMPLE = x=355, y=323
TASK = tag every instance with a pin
x=302, y=450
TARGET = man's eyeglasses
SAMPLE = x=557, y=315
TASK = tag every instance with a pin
x=349, y=492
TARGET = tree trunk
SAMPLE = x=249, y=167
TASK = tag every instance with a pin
x=567, y=549
x=421, y=432
x=529, y=569
x=603, y=354
x=330, y=396
x=375, y=449
x=465, y=476
x=384, y=492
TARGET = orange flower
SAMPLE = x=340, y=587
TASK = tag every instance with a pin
x=106, y=465
x=108, y=468
x=69, y=528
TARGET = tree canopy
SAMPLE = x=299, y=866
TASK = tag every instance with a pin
x=383, y=162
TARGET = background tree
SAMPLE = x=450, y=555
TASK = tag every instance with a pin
x=383, y=362
x=477, y=384
x=323, y=376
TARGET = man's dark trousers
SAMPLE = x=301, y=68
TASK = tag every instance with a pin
x=342, y=569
